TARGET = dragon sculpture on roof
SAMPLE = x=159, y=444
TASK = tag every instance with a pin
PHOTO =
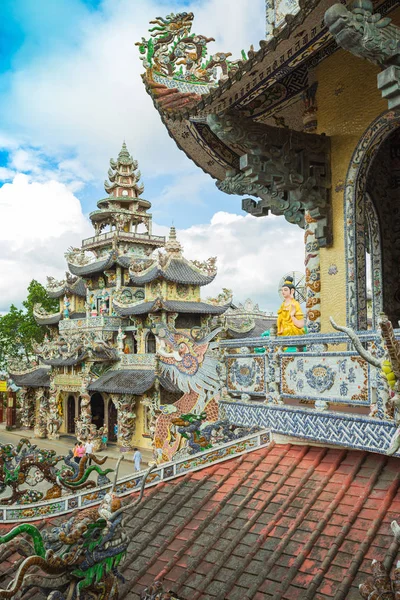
x=78, y=558
x=174, y=52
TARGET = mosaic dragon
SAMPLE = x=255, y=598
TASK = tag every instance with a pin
x=188, y=361
x=26, y=464
x=171, y=47
x=77, y=559
x=201, y=435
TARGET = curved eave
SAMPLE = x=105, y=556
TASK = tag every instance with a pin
x=63, y=362
x=93, y=267
x=48, y=319
x=176, y=271
x=129, y=381
x=77, y=289
x=124, y=199
x=179, y=306
x=106, y=213
x=185, y=120
x=35, y=379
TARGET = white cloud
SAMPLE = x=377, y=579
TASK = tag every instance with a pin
x=253, y=254
x=75, y=105
x=39, y=222
x=89, y=97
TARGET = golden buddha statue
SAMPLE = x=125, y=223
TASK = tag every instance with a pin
x=290, y=316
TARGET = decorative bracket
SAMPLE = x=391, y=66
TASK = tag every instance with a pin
x=372, y=37
x=288, y=170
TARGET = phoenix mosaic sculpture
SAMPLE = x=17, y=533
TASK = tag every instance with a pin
x=188, y=361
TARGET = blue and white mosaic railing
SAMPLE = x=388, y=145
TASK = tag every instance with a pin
x=303, y=387
x=132, y=483
x=312, y=371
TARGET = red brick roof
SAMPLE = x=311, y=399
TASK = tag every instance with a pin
x=286, y=522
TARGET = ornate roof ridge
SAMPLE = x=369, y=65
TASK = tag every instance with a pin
x=184, y=105
x=55, y=288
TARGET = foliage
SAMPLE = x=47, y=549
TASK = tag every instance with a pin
x=18, y=328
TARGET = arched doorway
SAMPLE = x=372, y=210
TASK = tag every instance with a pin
x=71, y=414
x=97, y=409
x=112, y=421
x=151, y=343
x=372, y=223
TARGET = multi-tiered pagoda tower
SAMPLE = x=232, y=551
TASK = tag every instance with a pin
x=99, y=362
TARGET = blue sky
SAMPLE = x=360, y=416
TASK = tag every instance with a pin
x=31, y=31
x=70, y=93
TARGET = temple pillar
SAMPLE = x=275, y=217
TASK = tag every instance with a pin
x=125, y=405
x=42, y=406
x=27, y=407
x=55, y=413
x=313, y=275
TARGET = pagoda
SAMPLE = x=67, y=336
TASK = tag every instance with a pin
x=98, y=371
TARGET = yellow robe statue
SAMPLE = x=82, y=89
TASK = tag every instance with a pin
x=284, y=323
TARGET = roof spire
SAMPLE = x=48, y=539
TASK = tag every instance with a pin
x=173, y=246
x=124, y=154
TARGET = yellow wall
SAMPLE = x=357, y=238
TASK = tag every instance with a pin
x=348, y=101
x=138, y=439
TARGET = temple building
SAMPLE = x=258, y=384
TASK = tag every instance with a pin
x=98, y=371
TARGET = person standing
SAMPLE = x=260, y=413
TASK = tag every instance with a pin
x=137, y=459
x=80, y=452
x=89, y=451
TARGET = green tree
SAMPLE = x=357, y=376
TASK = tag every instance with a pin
x=18, y=328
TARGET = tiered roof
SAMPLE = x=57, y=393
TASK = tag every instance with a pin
x=171, y=267
x=123, y=187
x=68, y=286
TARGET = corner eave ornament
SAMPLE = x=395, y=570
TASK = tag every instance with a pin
x=371, y=37
x=288, y=170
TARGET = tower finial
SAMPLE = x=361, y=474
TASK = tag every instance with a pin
x=173, y=246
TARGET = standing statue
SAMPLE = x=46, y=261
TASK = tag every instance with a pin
x=67, y=304
x=290, y=316
x=120, y=340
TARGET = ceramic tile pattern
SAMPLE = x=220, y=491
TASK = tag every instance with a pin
x=283, y=522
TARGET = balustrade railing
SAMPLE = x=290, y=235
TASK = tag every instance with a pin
x=122, y=235
x=137, y=360
x=131, y=483
x=307, y=370
x=106, y=322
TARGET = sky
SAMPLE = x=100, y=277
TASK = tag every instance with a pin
x=70, y=94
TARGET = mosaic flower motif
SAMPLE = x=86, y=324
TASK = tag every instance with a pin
x=320, y=378
x=333, y=270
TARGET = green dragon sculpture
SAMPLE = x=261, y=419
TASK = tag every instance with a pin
x=77, y=559
x=26, y=464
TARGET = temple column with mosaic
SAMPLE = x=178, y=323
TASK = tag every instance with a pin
x=99, y=373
